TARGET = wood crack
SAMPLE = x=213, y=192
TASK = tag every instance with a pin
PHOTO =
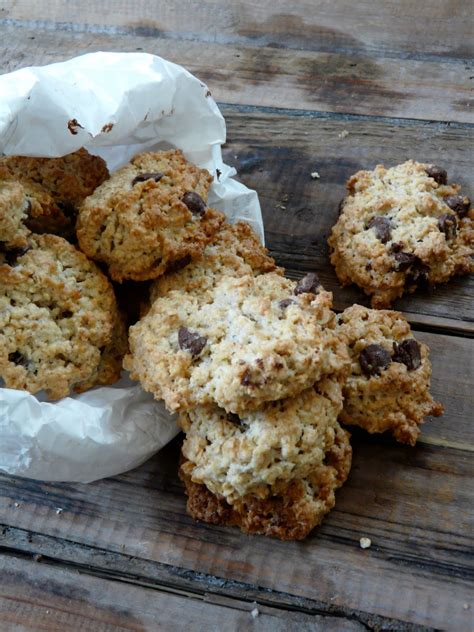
x=197, y=585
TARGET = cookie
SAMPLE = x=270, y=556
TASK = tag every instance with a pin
x=26, y=208
x=258, y=451
x=388, y=386
x=235, y=251
x=111, y=357
x=400, y=228
x=149, y=216
x=58, y=314
x=55, y=187
x=289, y=508
x=247, y=341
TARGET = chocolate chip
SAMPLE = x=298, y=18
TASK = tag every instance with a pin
x=286, y=302
x=408, y=353
x=142, y=177
x=308, y=284
x=192, y=342
x=179, y=264
x=246, y=380
x=234, y=419
x=18, y=358
x=447, y=224
x=404, y=260
x=460, y=204
x=373, y=359
x=68, y=209
x=396, y=246
x=66, y=313
x=438, y=174
x=382, y=226
x=418, y=274
x=194, y=202
x=12, y=254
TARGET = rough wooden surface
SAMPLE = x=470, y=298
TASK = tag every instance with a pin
x=310, y=86
x=43, y=596
x=335, y=80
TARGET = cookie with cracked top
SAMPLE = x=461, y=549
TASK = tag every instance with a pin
x=239, y=344
x=400, y=228
x=60, y=329
x=150, y=215
x=388, y=388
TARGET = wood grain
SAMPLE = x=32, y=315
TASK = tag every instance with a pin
x=416, y=505
x=418, y=516
x=277, y=77
x=436, y=28
x=36, y=596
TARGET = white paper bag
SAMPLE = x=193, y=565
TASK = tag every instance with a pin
x=115, y=105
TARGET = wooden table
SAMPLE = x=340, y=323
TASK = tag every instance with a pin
x=326, y=86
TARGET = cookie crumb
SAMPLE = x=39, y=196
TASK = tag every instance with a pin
x=365, y=543
x=59, y=510
x=255, y=613
x=343, y=134
x=315, y=175
x=466, y=606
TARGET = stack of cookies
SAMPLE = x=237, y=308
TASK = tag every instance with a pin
x=260, y=369
x=254, y=365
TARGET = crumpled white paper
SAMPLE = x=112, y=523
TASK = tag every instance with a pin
x=115, y=105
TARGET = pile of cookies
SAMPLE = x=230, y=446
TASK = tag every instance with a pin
x=259, y=367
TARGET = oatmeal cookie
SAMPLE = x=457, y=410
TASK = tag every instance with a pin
x=149, y=215
x=258, y=451
x=399, y=228
x=111, y=357
x=55, y=187
x=57, y=316
x=280, y=503
x=24, y=208
x=247, y=341
x=388, y=386
x=235, y=251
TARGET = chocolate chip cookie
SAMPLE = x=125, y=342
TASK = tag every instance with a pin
x=388, y=386
x=48, y=191
x=400, y=228
x=149, y=215
x=58, y=318
x=272, y=472
x=244, y=342
x=235, y=251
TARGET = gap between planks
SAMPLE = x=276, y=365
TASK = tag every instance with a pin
x=176, y=581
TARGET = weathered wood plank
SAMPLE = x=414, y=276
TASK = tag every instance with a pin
x=435, y=28
x=416, y=505
x=137, y=571
x=412, y=514
x=35, y=596
x=300, y=79
x=276, y=153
